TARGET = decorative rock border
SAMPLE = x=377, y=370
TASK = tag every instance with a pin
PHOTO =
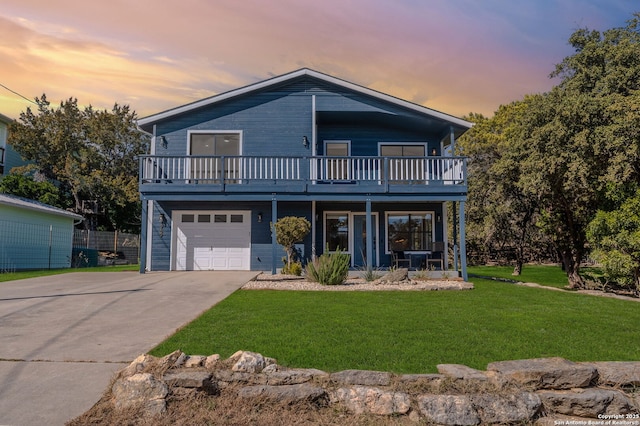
x=542, y=391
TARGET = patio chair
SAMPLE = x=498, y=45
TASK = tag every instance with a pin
x=398, y=258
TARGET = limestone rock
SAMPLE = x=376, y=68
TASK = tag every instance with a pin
x=452, y=410
x=622, y=404
x=546, y=373
x=173, y=360
x=579, y=402
x=360, y=399
x=138, y=365
x=194, y=361
x=286, y=393
x=462, y=372
x=291, y=376
x=427, y=379
x=211, y=361
x=237, y=377
x=190, y=379
x=362, y=377
x=142, y=390
x=396, y=276
x=617, y=373
x=507, y=409
x=250, y=362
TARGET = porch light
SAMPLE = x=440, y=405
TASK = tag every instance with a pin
x=163, y=142
x=259, y=217
x=434, y=152
x=305, y=142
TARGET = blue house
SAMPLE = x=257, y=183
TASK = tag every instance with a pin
x=372, y=173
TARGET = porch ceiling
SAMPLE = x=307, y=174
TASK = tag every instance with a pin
x=386, y=119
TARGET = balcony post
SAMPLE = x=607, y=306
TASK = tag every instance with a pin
x=143, y=237
x=274, y=241
x=369, y=240
x=463, y=248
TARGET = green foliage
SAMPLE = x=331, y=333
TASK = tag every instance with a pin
x=553, y=159
x=331, y=268
x=615, y=236
x=90, y=154
x=293, y=268
x=27, y=187
x=387, y=331
x=289, y=231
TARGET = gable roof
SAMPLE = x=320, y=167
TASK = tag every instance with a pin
x=146, y=123
x=25, y=203
x=5, y=119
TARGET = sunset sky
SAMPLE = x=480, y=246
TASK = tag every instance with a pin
x=456, y=56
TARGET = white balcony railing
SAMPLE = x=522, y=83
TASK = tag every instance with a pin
x=357, y=170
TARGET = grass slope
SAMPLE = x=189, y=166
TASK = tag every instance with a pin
x=11, y=276
x=412, y=332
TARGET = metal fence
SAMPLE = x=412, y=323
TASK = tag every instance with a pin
x=96, y=248
x=34, y=246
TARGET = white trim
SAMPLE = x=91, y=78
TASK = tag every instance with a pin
x=153, y=141
x=299, y=73
x=313, y=229
x=175, y=218
x=24, y=203
x=419, y=212
x=351, y=231
x=149, y=233
x=314, y=128
x=445, y=234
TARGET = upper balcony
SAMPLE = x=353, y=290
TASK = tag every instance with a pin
x=313, y=175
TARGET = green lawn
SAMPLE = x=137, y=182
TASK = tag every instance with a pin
x=552, y=276
x=412, y=332
x=11, y=276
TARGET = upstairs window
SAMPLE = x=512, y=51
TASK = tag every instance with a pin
x=214, y=144
x=203, y=146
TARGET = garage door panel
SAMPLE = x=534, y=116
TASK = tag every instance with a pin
x=213, y=245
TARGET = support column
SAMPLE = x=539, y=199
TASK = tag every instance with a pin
x=274, y=242
x=313, y=230
x=143, y=237
x=369, y=241
x=463, y=246
x=455, y=237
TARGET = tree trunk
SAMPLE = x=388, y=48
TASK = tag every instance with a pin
x=517, y=270
x=572, y=268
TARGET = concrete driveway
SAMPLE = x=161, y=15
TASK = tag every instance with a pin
x=62, y=337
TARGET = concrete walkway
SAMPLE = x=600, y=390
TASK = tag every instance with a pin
x=62, y=337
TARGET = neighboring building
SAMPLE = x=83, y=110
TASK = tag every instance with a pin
x=9, y=158
x=371, y=172
x=34, y=235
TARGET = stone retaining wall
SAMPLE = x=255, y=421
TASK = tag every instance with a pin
x=551, y=391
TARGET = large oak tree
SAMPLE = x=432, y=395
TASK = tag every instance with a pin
x=90, y=154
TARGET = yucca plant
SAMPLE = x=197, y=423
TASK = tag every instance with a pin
x=329, y=268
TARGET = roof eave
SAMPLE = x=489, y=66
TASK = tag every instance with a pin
x=146, y=122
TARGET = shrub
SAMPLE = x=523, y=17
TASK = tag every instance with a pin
x=329, y=268
x=293, y=268
x=289, y=231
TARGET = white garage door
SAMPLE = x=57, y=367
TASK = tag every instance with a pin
x=212, y=240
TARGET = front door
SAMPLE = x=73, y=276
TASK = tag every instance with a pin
x=360, y=240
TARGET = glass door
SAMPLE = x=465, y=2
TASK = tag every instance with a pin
x=360, y=239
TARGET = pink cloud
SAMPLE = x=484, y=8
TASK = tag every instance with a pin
x=455, y=56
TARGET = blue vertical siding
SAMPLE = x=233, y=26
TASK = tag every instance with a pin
x=261, y=249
